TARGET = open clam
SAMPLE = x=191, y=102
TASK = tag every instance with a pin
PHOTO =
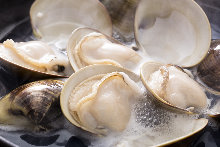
x=98, y=98
x=34, y=58
x=172, y=31
x=173, y=87
x=56, y=19
x=88, y=46
x=33, y=103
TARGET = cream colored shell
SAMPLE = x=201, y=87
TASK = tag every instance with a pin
x=88, y=76
x=172, y=31
x=36, y=55
x=173, y=87
x=87, y=47
x=53, y=18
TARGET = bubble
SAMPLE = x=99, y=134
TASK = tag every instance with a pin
x=151, y=124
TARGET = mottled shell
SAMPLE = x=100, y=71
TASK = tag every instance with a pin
x=209, y=69
x=122, y=15
x=37, y=102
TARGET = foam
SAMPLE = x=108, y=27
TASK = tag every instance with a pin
x=150, y=124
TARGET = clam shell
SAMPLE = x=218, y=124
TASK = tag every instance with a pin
x=172, y=32
x=122, y=15
x=209, y=71
x=198, y=125
x=148, y=69
x=82, y=75
x=24, y=73
x=51, y=18
x=77, y=35
x=36, y=103
x=25, y=69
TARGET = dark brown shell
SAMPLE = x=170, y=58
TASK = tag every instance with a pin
x=209, y=69
x=36, y=101
x=122, y=15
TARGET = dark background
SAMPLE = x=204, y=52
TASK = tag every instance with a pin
x=15, y=24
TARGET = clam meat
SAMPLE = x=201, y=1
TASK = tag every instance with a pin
x=173, y=86
x=102, y=102
x=34, y=103
x=37, y=56
x=96, y=48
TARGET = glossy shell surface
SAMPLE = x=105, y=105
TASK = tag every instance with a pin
x=172, y=32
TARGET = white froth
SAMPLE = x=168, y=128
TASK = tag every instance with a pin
x=151, y=134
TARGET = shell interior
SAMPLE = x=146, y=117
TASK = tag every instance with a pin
x=51, y=19
x=75, y=80
x=36, y=56
x=169, y=85
x=172, y=31
x=147, y=139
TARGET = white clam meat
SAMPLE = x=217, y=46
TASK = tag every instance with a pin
x=173, y=86
x=96, y=48
x=36, y=55
x=100, y=103
x=107, y=102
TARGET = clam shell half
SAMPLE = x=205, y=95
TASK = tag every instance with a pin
x=88, y=46
x=146, y=140
x=33, y=103
x=209, y=70
x=80, y=77
x=172, y=31
x=52, y=18
x=34, y=59
x=199, y=124
x=173, y=87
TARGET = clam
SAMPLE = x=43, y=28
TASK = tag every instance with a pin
x=33, y=103
x=88, y=46
x=34, y=57
x=173, y=87
x=54, y=20
x=209, y=71
x=172, y=31
x=99, y=98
